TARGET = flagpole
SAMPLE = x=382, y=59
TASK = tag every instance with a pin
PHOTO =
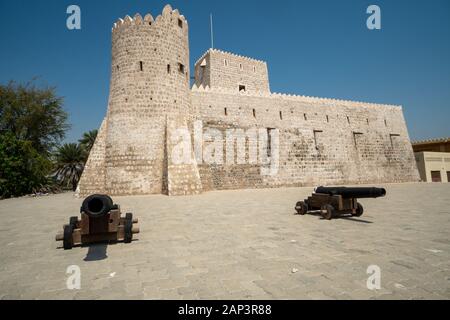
x=212, y=34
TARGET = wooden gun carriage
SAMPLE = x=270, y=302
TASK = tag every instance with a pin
x=331, y=202
x=101, y=221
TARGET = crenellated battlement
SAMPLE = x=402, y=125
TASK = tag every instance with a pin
x=168, y=14
x=245, y=58
x=292, y=97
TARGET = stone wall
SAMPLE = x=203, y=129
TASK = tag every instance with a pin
x=322, y=141
x=93, y=178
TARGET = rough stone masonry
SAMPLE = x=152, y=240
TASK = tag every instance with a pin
x=320, y=141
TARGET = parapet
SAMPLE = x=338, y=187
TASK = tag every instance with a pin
x=167, y=13
x=212, y=50
x=291, y=97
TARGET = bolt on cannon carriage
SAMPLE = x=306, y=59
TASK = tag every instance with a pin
x=331, y=202
x=101, y=220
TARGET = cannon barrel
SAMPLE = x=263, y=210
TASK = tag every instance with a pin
x=97, y=205
x=345, y=192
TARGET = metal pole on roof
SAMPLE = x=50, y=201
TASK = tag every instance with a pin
x=212, y=34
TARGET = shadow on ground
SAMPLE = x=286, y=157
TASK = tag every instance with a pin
x=97, y=252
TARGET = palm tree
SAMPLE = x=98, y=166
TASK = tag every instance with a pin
x=69, y=164
x=88, y=139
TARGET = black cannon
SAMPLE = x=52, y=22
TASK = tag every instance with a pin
x=101, y=220
x=331, y=202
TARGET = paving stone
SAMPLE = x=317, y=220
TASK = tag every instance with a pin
x=236, y=244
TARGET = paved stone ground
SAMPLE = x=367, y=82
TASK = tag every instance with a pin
x=240, y=244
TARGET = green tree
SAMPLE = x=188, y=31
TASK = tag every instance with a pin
x=33, y=114
x=69, y=164
x=22, y=169
x=88, y=139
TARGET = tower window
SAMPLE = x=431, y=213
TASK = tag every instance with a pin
x=281, y=115
x=316, y=133
x=168, y=68
x=367, y=121
x=117, y=67
x=241, y=88
x=241, y=67
x=269, y=141
x=225, y=62
x=305, y=117
x=254, y=113
x=181, y=67
x=180, y=23
x=392, y=137
x=328, y=119
x=385, y=123
x=141, y=65
x=355, y=138
x=348, y=120
x=225, y=111
x=254, y=69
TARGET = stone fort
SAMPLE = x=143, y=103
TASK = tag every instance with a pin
x=320, y=141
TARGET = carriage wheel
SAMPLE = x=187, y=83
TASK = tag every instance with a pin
x=329, y=211
x=73, y=222
x=128, y=228
x=359, y=210
x=68, y=239
x=301, y=207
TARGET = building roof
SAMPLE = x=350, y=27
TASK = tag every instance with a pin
x=431, y=141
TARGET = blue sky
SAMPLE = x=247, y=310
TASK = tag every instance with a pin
x=317, y=48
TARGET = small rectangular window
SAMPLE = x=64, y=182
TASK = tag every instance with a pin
x=269, y=141
x=305, y=117
x=436, y=176
x=225, y=62
x=225, y=111
x=316, y=132
x=141, y=65
x=168, y=68
x=328, y=120
x=180, y=23
x=254, y=69
x=348, y=120
x=181, y=67
x=241, y=67
x=241, y=88
x=392, y=138
x=385, y=123
x=355, y=138
x=254, y=113
x=281, y=115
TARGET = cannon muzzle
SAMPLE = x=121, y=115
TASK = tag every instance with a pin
x=364, y=192
x=97, y=205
